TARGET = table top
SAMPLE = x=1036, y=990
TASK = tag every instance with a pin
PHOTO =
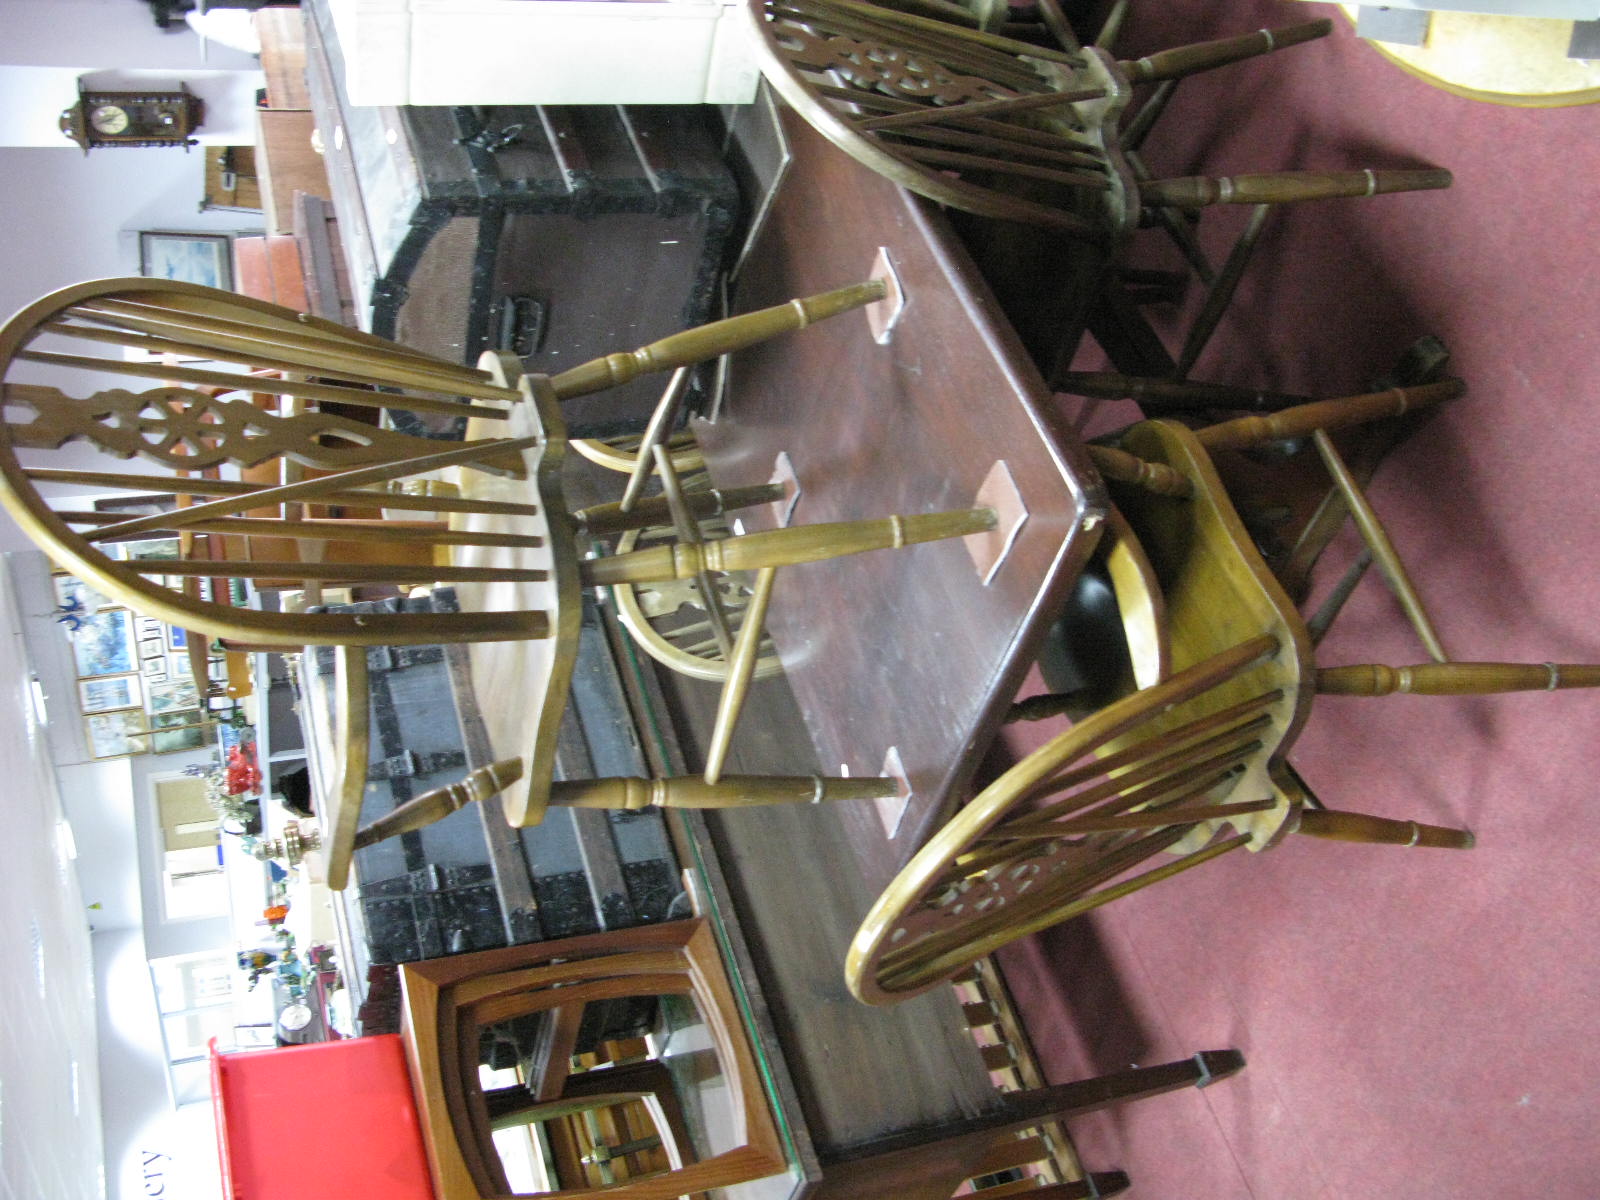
x=903, y=661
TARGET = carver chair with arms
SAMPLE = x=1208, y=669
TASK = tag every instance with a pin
x=1008, y=129
x=509, y=546
x=1191, y=768
x=1049, y=136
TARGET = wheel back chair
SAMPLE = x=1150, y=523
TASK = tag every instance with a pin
x=303, y=498
x=1195, y=765
x=1008, y=129
x=1042, y=135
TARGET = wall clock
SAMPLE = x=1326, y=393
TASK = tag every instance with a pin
x=152, y=118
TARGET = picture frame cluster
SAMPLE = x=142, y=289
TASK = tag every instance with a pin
x=137, y=691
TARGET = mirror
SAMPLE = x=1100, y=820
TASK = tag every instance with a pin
x=574, y=1068
x=594, y=1094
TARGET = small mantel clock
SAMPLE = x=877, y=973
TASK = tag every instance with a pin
x=133, y=118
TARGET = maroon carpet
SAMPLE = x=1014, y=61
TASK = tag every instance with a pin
x=1417, y=1023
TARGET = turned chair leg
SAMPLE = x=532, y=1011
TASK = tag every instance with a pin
x=1219, y=293
x=422, y=811
x=1161, y=396
x=784, y=547
x=731, y=791
x=713, y=340
x=1156, y=478
x=1305, y=419
x=1380, y=546
x=1287, y=187
x=1182, y=61
x=1166, y=68
x=1454, y=678
x=1360, y=827
x=1064, y=1101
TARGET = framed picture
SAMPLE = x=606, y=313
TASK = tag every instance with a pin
x=168, y=737
x=150, y=549
x=109, y=692
x=147, y=628
x=74, y=595
x=152, y=647
x=173, y=695
x=113, y=734
x=154, y=669
x=103, y=644
x=192, y=257
x=177, y=639
x=147, y=504
x=179, y=667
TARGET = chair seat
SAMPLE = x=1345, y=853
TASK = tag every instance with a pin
x=1218, y=590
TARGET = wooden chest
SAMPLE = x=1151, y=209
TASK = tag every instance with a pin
x=470, y=881
x=559, y=232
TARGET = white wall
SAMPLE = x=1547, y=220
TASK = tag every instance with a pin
x=104, y=33
x=110, y=804
x=45, y=45
x=69, y=218
x=111, y=808
x=48, y=1019
x=143, y=1133
x=98, y=801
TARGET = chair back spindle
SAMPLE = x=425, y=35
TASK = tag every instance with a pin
x=1141, y=791
x=251, y=415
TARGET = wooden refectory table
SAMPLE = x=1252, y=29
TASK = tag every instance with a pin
x=903, y=663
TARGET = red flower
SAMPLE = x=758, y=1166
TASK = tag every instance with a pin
x=243, y=774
